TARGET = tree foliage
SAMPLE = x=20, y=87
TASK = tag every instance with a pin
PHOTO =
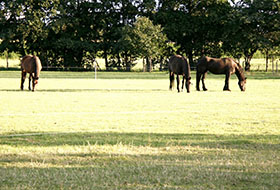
x=256, y=27
x=68, y=33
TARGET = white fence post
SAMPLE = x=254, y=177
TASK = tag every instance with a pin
x=95, y=71
x=277, y=66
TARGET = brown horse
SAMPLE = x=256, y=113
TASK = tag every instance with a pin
x=179, y=65
x=32, y=65
x=225, y=66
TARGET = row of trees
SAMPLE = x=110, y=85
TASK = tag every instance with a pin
x=73, y=33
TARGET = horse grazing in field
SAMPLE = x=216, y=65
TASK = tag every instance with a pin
x=225, y=66
x=32, y=65
x=179, y=65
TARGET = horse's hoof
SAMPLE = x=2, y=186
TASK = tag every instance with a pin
x=205, y=89
x=227, y=90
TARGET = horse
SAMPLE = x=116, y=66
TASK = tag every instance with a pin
x=179, y=65
x=227, y=66
x=30, y=64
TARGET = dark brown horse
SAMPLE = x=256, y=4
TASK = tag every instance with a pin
x=179, y=65
x=32, y=65
x=226, y=66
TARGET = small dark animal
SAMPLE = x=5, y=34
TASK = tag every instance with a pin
x=179, y=65
x=32, y=65
x=225, y=66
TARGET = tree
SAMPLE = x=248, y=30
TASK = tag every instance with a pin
x=148, y=40
x=24, y=24
x=9, y=22
x=197, y=26
x=116, y=15
x=255, y=26
x=74, y=31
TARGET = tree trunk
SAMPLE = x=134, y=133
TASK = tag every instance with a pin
x=127, y=62
x=119, y=62
x=248, y=57
x=106, y=60
x=7, y=59
x=266, y=60
x=161, y=63
x=149, y=67
x=144, y=66
x=247, y=63
x=190, y=56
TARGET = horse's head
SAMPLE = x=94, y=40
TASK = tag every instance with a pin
x=36, y=79
x=242, y=84
x=241, y=77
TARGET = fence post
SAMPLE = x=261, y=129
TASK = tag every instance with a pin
x=95, y=71
x=7, y=59
x=272, y=59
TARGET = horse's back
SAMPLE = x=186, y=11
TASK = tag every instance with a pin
x=27, y=64
x=31, y=64
x=215, y=65
x=178, y=64
x=38, y=64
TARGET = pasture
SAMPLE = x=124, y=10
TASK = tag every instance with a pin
x=128, y=131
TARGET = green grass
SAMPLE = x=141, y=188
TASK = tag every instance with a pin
x=128, y=131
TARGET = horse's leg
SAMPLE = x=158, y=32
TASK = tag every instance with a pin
x=203, y=84
x=30, y=77
x=23, y=76
x=198, y=76
x=226, y=87
x=178, y=83
x=171, y=78
x=184, y=78
x=33, y=83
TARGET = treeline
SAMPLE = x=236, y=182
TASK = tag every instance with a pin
x=73, y=33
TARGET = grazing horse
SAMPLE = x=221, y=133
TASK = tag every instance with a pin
x=179, y=65
x=225, y=66
x=32, y=65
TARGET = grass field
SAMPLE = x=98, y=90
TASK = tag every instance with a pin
x=128, y=131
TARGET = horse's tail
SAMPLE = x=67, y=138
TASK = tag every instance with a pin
x=171, y=74
x=38, y=67
x=171, y=78
x=187, y=70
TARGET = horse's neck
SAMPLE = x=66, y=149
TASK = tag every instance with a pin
x=239, y=73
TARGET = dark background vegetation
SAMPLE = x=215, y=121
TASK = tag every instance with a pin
x=73, y=33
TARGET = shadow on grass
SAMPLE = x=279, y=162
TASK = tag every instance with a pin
x=135, y=173
x=198, y=168
x=143, y=139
